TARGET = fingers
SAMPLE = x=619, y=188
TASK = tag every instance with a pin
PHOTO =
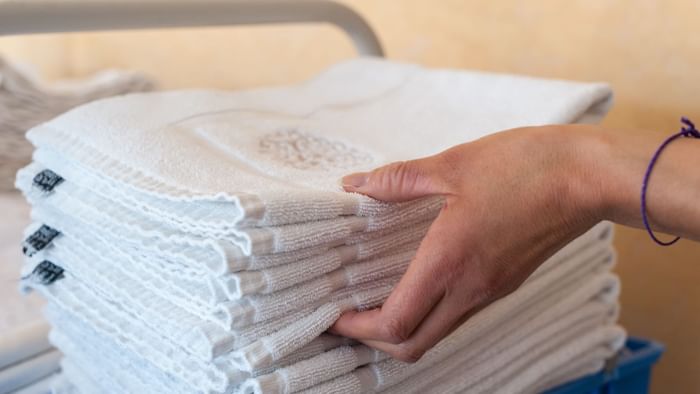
x=420, y=292
x=441, y=321
x=400, y=181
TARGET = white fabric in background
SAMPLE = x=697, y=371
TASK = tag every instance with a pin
x=25, y=102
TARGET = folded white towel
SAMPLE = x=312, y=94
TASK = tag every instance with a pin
x=211, y=342
x=275, y=155
x=156, y=343
x=543, y=310
x=26, y=102
x=267, y=350
x=27, y=371
x=91, y=303
x=92, y=208
x=183, y=326
x=539, y=364
x=176, y=254
x=514, y=347
x=389, y=372
x=82, y=345
x=193, y=292
x=508, y=374
x=590, y=362
x=63, y=385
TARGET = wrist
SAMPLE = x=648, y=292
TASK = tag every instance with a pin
x=610, y=169
x=589, y=172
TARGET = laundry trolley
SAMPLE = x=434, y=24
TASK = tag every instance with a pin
x=628, y=373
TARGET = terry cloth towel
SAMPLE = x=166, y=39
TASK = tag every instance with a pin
x=141, y=340
x=266, y=350
x=256, y=240
x=77, y=259
x=510, y=349
x=128, y=226
x=68, y=318
x=542, y=311
x=274, y=156
x=389, y=372
x=547, y=357
x=359, y=247
x=26, y=102
x=586, y=364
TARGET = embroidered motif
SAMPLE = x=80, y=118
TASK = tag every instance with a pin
x=39, y=240
x=47, y=180
x=305, y=151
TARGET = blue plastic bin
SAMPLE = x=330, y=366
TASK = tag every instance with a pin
x=631, y=373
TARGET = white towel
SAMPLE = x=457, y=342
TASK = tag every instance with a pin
x=516, y=346
x=590, y=362
x=538, y=364
x=540, y=312
x=130, y=330
x=85, y=259
x=201, y=336
x=211, y=342
x=505, y=374
x=254, y=240
x=390, y=372
x=101, y=353
x=266, y=350
x=107, y=354
x=26, y=102
x=195, y=254
x=275, y=155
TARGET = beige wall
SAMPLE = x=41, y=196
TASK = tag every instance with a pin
x=647, y=49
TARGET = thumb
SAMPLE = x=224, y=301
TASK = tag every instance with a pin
x=395, y=182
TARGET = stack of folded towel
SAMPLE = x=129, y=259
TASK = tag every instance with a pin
x=27, y=360
x=198, y=241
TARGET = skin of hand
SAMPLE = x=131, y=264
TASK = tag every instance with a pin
x=512, y=199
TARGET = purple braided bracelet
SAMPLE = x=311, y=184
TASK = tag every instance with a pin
x=688, y=130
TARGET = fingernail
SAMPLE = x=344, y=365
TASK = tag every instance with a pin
x=354, y=181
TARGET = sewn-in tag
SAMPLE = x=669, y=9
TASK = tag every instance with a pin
x=46, y=180
x=45, y=273
x=39, y=240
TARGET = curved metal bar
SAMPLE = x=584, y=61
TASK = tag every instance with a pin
x=46, y=16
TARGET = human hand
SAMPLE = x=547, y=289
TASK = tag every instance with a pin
x=512, y=199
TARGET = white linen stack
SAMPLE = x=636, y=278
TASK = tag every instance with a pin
x=25, y=101
x=199, y=241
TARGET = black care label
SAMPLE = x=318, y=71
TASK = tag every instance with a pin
x=46, y=273
x=46, y=180
x=39, y=240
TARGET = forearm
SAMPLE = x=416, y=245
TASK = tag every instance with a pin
x=619, y=161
